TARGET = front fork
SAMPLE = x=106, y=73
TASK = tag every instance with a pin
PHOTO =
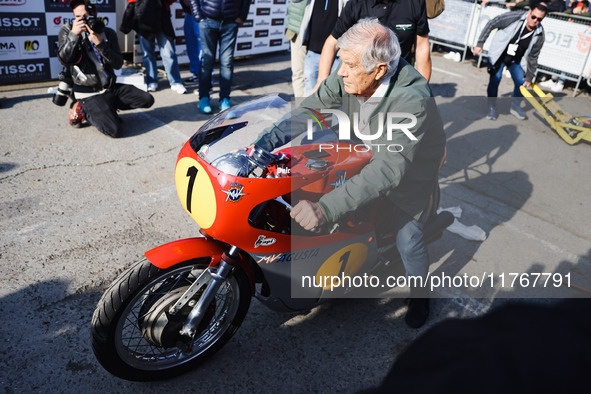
x=213, y=281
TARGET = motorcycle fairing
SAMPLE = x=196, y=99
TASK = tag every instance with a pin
x=172, y=253
x=354, y=255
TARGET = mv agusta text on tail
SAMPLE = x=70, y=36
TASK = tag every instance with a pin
x=185, y=300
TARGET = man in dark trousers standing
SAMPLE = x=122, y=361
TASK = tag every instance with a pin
x=218, y=25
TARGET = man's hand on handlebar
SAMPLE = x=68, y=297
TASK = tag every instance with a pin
x=308, y=214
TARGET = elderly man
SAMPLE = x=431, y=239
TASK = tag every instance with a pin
x=373, y=81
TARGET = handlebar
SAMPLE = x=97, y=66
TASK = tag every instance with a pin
x=263, y=158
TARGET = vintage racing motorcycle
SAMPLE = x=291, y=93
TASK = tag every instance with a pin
x=186, y=299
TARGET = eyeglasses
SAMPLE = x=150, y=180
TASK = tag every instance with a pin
x=533, y=17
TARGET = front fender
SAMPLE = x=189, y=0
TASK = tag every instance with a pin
x=167, y=255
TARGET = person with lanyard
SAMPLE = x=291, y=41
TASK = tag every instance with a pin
x=518, y=42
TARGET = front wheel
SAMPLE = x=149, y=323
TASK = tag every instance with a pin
x=135, y=338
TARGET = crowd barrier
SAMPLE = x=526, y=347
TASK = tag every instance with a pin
x=565, y=52
x=29, y=34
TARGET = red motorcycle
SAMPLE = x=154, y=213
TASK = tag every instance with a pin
x=186, y=299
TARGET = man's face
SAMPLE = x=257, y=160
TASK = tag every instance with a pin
x=79, y=11
x=357, y=81
x=534, y=18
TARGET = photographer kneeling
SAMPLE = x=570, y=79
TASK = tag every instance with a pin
x=91, y=51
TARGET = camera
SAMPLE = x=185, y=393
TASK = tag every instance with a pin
x=64, y=89
x=95, y=24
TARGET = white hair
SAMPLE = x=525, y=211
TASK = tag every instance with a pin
x=376, y=44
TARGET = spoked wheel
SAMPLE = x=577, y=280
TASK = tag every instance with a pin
x=135, y=337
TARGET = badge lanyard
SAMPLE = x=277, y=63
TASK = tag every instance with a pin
x=512, y=48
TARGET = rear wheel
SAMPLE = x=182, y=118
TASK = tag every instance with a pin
x=133, y=335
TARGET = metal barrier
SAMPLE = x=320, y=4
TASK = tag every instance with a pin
x=452, y=27
x=566, y=48
x=566, y=51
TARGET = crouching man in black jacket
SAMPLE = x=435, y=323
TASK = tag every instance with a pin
x=91, y=51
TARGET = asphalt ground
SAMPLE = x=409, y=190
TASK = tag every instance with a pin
x=77, y=208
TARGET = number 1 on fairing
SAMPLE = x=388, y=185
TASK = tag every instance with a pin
x=192, y=174
x=344, y=260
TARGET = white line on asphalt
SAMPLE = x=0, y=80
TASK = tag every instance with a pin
x=447, y=72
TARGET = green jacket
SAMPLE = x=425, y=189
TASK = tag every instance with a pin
x=295, y=13
x=406, y=178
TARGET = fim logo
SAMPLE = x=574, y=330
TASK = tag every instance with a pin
x=234, y=193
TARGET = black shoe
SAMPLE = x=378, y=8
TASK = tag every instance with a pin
x=417, y=313
x=193, y=79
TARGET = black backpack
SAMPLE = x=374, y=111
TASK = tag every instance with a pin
x=143, y=16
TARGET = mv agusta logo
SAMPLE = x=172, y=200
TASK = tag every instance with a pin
x=234, y=193
x=341, y=179
x=269, y=259
x=281, y=257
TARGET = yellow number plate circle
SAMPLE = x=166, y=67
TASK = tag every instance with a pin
x=347, y=262
x=195, y=191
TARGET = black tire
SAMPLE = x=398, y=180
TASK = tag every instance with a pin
x=118, y=329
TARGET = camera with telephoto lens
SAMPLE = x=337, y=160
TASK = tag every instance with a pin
x=64, y=89
x=92, y=21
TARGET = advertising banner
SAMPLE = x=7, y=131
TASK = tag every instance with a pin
x=28, y=37
x=29, y=30
x=262, y=32
x=566, y=47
